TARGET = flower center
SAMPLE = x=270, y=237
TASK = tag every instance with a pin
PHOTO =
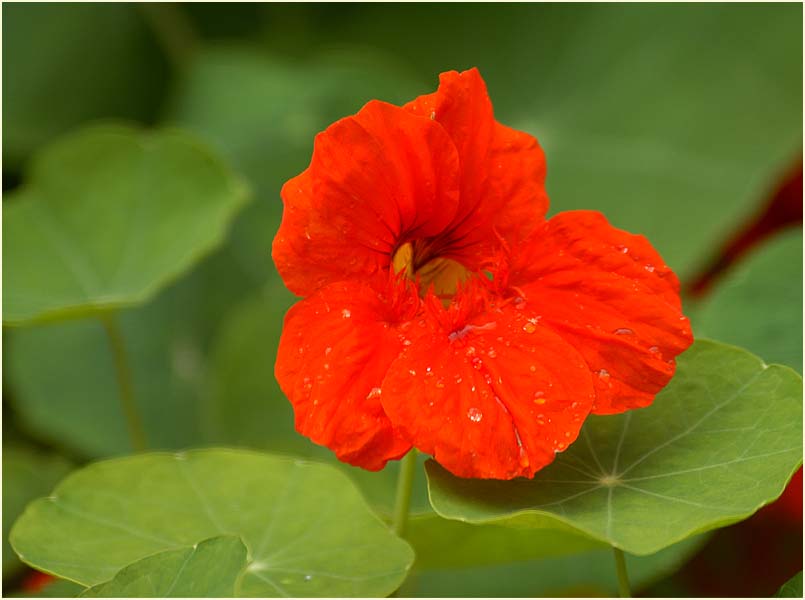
x=417, y=259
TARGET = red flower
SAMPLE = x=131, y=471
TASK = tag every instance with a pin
x=442, y=310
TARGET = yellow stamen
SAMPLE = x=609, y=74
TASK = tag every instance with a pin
x=444, y=273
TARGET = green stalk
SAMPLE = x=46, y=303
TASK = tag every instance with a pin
x=623, y=578
x=173, y=30
x=124, y=382
x=405, y=483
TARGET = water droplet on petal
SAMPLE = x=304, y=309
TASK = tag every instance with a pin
x=477, y=363
x=654, y=349
x=532, y=368
x=491, y=353
x=603, y=374
x=440, y=383
x=412, y=372
x=623, y=331
x=346, y=313
x=529, y=327
x=374, y=393
x=649, y=268
x=539, y=397
x=474, y=415
x=327, y=350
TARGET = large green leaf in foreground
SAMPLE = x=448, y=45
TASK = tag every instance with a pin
x=109, y=215
x=718, y=443
x=209, y=569
x=307, y=529
x=27, y=474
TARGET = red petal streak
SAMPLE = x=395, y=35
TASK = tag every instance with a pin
x=502, y=170
x=494, y=395
x=335, y=349
x=609, y=294
x=376, y=180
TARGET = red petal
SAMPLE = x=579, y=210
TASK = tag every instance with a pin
x=609, y=294
x=502, y=170
x=375, y=181
x=491, y=395
x=335, y=349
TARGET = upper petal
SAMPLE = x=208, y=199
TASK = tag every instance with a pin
x=335, y=349
x=490, y=393
x=609, y=294
x=502, y=170
x=376, y=180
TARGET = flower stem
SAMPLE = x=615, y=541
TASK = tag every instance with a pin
x=173, y=30
x=623, y=578
x=124, y=382
x=405, y=483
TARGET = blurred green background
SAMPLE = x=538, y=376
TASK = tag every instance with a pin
x=676, y=121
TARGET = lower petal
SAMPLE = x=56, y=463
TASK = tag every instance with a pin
x=335, y=349
x=490, y=396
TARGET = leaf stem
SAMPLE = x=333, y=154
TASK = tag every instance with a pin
x=173, y=30
x=623, y=578
x=405, y=483
x=124, y=382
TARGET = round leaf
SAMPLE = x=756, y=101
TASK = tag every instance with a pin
x=718, y=443
x=108, y=216
x=791, y=588
x=307, y=529
x=209, y=569
x=27, y=474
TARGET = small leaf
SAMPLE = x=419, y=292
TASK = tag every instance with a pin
x=758, y=305
x=308, y=531
x=27, y=474
x=718, y=443
x=209, y=569
x=108, y=216
x=791, y=588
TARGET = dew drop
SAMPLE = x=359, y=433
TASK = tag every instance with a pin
x=529, y=327
x=623, y=249
x=308, y=577
x=326, y=366
x=654, y=349
x=649, y=268
x=603, y=374
x=440, y=383
x=623, y=331
x=327, y=350
x=374, y=393
x=474, y=415
x=561, y=445
x=412, y=372
x=346, y=314
x=477, y=363
x=539, y=397
x=568, y=434
x=459, y=379
x=491, y=353
x=532, y=368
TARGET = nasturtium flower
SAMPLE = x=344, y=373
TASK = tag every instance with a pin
x=442, y=311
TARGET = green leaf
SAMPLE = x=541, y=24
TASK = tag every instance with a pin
x=758, y=305
x=444, y=544
x=718, y=443
x=307, y=529
x=27, y=474
x=65, y=64
x=588, y=574
x=791, y=588
x=108, y=216
x=209, y=569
